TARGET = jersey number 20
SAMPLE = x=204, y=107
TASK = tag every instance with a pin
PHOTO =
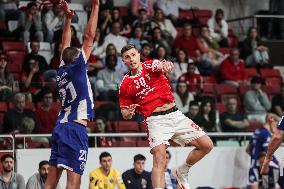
x=63, y=92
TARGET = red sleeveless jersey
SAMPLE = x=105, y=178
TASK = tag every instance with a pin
x=149, y=88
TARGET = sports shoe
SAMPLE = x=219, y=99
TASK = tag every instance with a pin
x=181, y=179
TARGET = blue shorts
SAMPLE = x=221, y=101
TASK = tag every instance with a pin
x=69, y=147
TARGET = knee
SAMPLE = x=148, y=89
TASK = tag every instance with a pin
x=208, y=146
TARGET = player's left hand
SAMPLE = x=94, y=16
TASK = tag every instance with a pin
x=64, y=6
x=167, y=66
x=264, y=167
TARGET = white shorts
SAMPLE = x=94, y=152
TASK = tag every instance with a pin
x=175, y=126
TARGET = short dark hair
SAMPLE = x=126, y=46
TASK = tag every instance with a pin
x=256, y=79
x=193, y=103
x=42, y=163
x=31, y=4
x=127, y=48
x=169, y=153
x=104, y=154
x=5, y=156
x=139, y=157
x=146, y=45
x=116, y=8
x=68, y=55
x=220, y=11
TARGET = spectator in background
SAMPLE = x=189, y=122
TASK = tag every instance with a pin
x=209, y=57
x=105, y=176
x=253, y=49
x=187, y=41
x=45, y=113
x=231, y=120
x=171, y=182
x=32, y=79
x=232, y=69
x=120, y=66
x=35, y=47
x=256, y=102
x=125, y=27
x=6, y=79
x=192, y=79
x=169, y=32
x=105, y=20
x=37, y=180
x=55, y=60
x=136, y=5
x=30, y=23
x=182, y=97
x=137, y=37
x=145, y=23
x=108, y=80
x=278, y=103
x=158, y=40
x=161, y=53
x=219, y=28
x=180, y=65
x=115, y=38
x=9, y=10
x=171, y=8
x=14, y=118
x=192, y=110
x=206, y=117
x=53, y=22
x=258, y=144
x=101, y=127
x=137, y=178
x=98, y=48
x=75, y=42
x=8, y=178
x=146, y=52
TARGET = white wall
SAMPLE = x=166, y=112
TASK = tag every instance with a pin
x=223, y=167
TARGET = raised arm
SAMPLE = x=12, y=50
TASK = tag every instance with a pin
x=91, y=29
x=66, y=36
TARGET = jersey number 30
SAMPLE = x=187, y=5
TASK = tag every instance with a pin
x=63, y=92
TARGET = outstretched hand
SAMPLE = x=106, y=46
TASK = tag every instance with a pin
x=96, y=3
x=64, y=6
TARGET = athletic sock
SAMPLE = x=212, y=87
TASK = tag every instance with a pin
x=184, y=168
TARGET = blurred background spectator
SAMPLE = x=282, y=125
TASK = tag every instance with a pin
x=256, y=102
x=182, y=97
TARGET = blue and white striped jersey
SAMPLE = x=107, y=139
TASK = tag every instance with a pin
x=75, y=91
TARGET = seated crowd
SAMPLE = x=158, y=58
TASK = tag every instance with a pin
x=206, y=55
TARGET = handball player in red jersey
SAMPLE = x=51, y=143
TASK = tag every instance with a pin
x=145, y=90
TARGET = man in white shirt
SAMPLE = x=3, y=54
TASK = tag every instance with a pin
x=53, y=22
x=37, y=180
x=218, y=28
x=115, y=38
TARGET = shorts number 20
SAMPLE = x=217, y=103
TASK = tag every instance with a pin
x=83, y=155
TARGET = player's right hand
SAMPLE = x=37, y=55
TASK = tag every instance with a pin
x=96, y=3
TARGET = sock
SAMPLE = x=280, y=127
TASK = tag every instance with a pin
x=184, y=168
x=158, y=188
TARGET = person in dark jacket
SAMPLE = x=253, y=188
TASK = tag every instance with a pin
x=137, y=178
